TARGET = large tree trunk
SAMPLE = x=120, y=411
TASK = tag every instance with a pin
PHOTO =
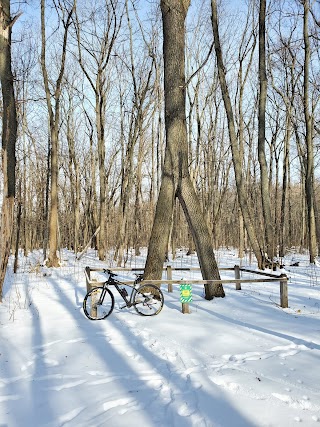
x=9, y=136
x=176, y=181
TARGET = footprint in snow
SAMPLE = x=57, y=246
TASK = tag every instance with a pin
x=133, y=356
x=66, y=385
x=185, y=410
x=50, y=362
x=27, y=365
x=288, y=350
x=118, y=402
x=185, y=403
x=229, y=385
x=155, y=384
x=171, y=356
x=250, y=356
x=286, y=354
x=133, y=406
x=144, y=334
x=303, y=403
x=165, y=394
x=69, y=416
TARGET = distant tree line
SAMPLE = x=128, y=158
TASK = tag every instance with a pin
x=92, y=133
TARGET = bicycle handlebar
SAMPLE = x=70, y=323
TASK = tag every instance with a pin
x=139, y=276
x=107, y=271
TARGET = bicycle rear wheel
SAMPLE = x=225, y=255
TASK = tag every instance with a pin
x=148, y=300
x=96, y=308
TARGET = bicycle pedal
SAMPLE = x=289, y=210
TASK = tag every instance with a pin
x=121, y=308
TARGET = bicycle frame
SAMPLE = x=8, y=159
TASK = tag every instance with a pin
x=117, y=284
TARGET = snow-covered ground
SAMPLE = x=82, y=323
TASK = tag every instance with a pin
x=232, y=362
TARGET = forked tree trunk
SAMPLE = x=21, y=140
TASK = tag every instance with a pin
x=176, y=181
x=9, y=136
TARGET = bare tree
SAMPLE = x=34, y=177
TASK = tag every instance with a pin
x=236, y=156
x=141, y=73
x=64, y=11
x=264, y=181
x=94, y=55
x=176, y=181
x=309, y=160
x=284, y=79
x=246, y=53
x=73, y=167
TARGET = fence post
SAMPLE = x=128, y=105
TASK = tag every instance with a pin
x=284, y=291
x=169, y=277
x=93, y=310
x=88, y=278
x=237, y=276
x=185, y=308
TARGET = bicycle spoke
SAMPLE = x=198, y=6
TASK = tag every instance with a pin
x=98, y=304
x=148, y=300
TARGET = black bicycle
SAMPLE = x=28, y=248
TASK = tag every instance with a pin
x=147, y=299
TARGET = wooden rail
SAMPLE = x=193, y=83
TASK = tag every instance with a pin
x=282, y=279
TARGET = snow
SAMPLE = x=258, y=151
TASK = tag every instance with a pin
x=232, y=362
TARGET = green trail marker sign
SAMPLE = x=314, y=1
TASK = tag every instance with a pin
x=185, y=294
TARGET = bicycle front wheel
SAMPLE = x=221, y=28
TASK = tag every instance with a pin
x=148, y=300
x=98, y=303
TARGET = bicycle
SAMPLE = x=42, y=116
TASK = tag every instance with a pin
x=99, y=302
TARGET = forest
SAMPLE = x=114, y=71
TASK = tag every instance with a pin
x=85, y=126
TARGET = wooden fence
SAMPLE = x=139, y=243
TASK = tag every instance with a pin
x=268, y=277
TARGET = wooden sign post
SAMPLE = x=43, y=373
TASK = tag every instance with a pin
x=185, y=297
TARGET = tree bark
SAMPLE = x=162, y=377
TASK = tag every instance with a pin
x=176, y=181
x=9, y=137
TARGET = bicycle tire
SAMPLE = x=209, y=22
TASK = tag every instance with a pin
x=100, y=311
x=148, y=300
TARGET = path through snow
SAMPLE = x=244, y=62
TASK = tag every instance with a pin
x=238, y=361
